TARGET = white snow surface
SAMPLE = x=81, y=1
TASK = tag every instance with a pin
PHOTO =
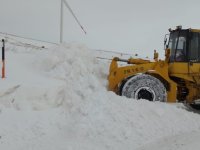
x=57, y=99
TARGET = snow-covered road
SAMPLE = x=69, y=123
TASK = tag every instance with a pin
x=186, y=141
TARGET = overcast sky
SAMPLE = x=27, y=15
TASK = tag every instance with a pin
x=136, y=26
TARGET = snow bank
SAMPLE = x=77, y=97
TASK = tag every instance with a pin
x=57, y=99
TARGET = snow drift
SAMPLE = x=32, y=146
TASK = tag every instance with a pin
x=58, y=99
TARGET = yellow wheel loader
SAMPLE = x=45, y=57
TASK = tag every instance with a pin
x=175, y=79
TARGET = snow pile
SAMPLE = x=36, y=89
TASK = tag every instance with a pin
x=57, y=99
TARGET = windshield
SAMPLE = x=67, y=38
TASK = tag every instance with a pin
x=177, y=45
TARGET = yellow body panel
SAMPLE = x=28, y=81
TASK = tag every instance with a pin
x=187, y=71
x=117, y=75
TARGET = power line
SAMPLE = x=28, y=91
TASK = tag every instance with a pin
x=107, y=51
x=10, y=40
x=5, y=34
x=104, y=58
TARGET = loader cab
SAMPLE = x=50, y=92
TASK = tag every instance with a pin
x=184, y=45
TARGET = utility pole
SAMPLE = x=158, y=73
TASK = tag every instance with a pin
x=61, y=22
x=61, y=18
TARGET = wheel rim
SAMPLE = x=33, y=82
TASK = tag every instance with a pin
x=145, y=93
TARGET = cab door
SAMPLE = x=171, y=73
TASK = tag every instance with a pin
x=194, y=56
x=178, y=44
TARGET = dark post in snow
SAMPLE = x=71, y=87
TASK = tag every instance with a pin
x=3, y=58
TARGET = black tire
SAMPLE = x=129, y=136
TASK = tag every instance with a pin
x=143, y=86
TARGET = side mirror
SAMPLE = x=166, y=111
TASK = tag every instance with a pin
x=166, y=41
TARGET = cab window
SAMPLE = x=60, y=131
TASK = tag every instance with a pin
x=177, y=45
x=194, y=47
x=180, y=53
